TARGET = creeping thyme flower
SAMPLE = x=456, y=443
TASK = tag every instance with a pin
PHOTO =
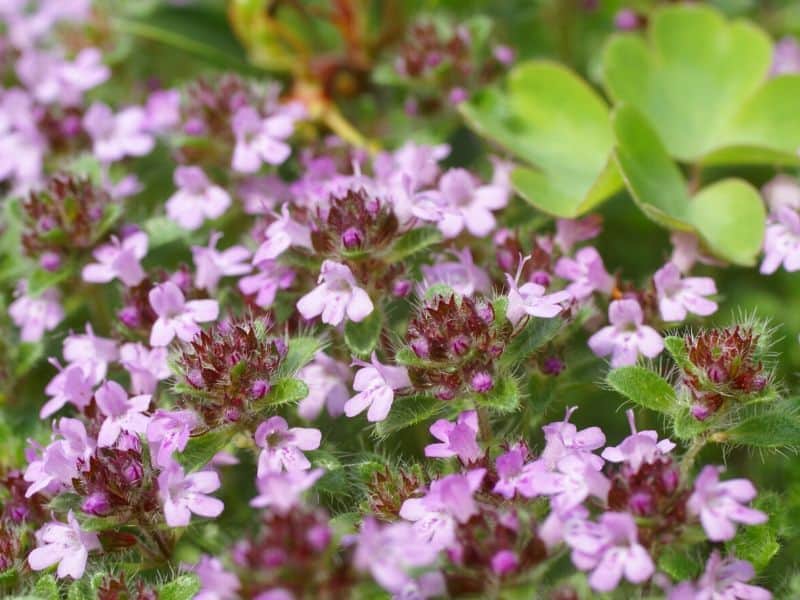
x=168, y=432
x=118, y=260
x=282, y=447
x=456, y=439
x=197, y=199
x=176, y=316
x=212, y=264
x=462, y=275
x=465, y=204
x=376, y=384
x=66, y=544
x=280, y=491
x=336, y=295
x=121, y=413
x=677, y=296
x=723, y=579
x=326, y=379
x=184, y=494
x=530, y=299
x=627, y=336
x=586, y=272
x=146, y=366
x=116, y=136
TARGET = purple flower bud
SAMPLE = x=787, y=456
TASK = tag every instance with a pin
x=700, y=412
x=420, y=348
x=716, y=373
x=133, y=472
x=259, y=389
x=95, y=213
x=18, y=512
x=50, y=261
x=182, y=279
x=504, y=562
x=411, y=107
x=319, y=537
x=46, y=223
x=273, y=558
x=495, y=350
x=194, y=127
x=352, y=238
x=458, y=95
x=401, y=288
x=641, y=503
x=129, y=317
x=96, y=504
x=232, y=414
x=486, y=313
x=129, y=441
x=506, y=260
x=626, y=20
x=70, y=126
x=541, y=278
x=504, y=54
x=195, y=378
x=670, y=478
x=758, y=384
x=446, y=394
x=553, y=365
x=482, y=382
x=433, y=59
x=459, y=346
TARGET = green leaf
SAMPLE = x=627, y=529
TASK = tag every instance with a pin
x=300, y=352
x=412, y=242
x=686, y=427
x=284, y=391
x=202, y=448
x=728, y=215
x=40, y=280
x=46, y=588
x=64, y=502
x=181, y=588
x=676, y=346
x=362, y=337
x=702, y=82
x=559, y=127
x=8, y=578
x=773, y=430
x=162, y=230
x=535, y=334
x=504, y=397
x=758, y=544
x=409, y=411
x=643, y=387
x=80, y=590
x=679, y=563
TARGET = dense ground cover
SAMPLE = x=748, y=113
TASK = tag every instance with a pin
x=424, y=299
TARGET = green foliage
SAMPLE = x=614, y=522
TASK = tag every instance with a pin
x=46, y=587
x=284, y=391
x=559, y=128
x=643, y=387
x=535, y=334
x=412, y=242
x=183, y=587
x=300, y=352
x=776, y=429
x=504, y=397
x=202, y=448
x=362, y=337
x=680, y=563
x=409, y=411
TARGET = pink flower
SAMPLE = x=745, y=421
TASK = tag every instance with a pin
x=184, y=494
x=586, y=272
x=782, y=241
x=686, y=251
x=122, y=413
x=465, y=204
x=176, y=316
x=515, y=475
x=51, y=78
x=162, y=110
x=530, y=299
x=457, y=439
x=610, y=549
x=562, y=438
x=336, y=294
x=280, y=235
x=117, y=136
x=677, y=296
x=462, y=275
x=281, y=490
x=90, y=350
x=390, y=552
x=260, y=140
x=574, y=479
x=265, y=284
x=36, y=314
x=215, y=582
x=785, y=57
x=73, y=384
x=641, y=447
x=326, y=380
x=375, y=384
x=782, y=191
x=196, y=198
x=282, y=448
x=719, y=504
x=448, y=502
x=119, y=259
x=627, y=336
x=571, y=231
x=146, y=366
x=66, y=544
x=211, y=264
x=168, y=432
x=58, y=464
x=722, y=580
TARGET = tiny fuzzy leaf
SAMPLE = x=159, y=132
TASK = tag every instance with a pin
x=500, y=309
x=758, y=544
x=362, y=337
x=504, y=397
x=41, y=280
x=676, y=346
x=46, y=588
x=679, y=563
x=535, y=334
x=407, y=357
x=300, y=352
x=8, y=578
x=28, y=354
x=162, y=230
x=413, y=241
x=89, y=523
x=284, y=391
x=777, y=429
x=80, y=590
x=184, y=587
x=202, y=448
x=643, y=387
x=409, y=411
x=65, y=502
x=685, y=426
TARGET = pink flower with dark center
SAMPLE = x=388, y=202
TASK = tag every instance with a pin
x=176, y=316
x=146, y=366
x=627, y=336
x=677, y=296
x=457, y=439
x=336, y=295
x=326, y=379
x=168, y=432
x=586, y=272
x=66, y=544
x=122, y=413
x=117, y=136
x=212, y=264
x=183, y=494
x=196, y=199
x=375, y=384
x=282, y=447
x=280, y=491
x=720, y=504
x=118, y=260
x=260, y=140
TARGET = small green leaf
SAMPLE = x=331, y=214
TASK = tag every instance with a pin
x=181, y=588
x=558, y=126
x=41, y=280
x=362, y=337
x=90, y=523
x=686, y=427
x=300, y=352
x=80, y=590
x=773, y=430
x=535, y=334
x=161, y=230
x=284, y=391
x=679, y=563
x=643, y=387
x=64, y=502
x=412, y=242
x=504, y=397
x=409, y=411
x=46, y=588
x=676, y=346
x=202, y=448
x=758, y=544
x=8, y=578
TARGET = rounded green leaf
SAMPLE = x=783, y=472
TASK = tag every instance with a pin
x=550, y=119
x=702, y=82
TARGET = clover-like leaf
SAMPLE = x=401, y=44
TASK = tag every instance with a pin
x=702, y=82
x=728, y=215
x=553, y=122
